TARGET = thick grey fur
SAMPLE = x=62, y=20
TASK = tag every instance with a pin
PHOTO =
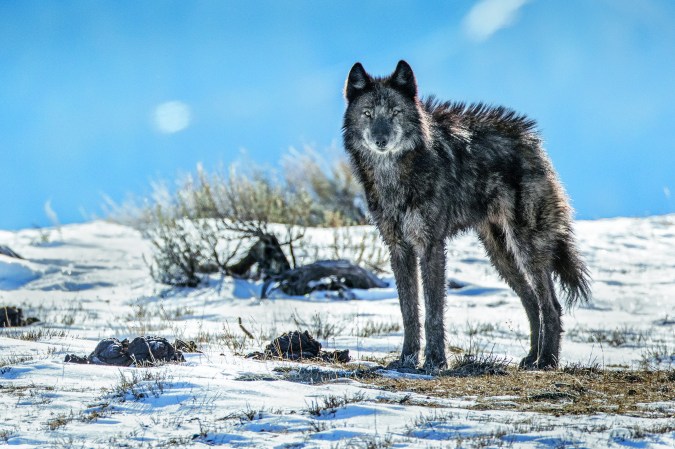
x=431, y=170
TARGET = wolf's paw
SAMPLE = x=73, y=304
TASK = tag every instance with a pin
x=529, y=362
x=406, y=363
x=532, y=362
x=434, y=365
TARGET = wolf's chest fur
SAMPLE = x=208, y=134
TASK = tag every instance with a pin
x=402, y=208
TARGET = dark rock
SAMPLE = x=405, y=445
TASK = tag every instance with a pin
x=150, y=350
x=111, y=351
x=298, y=345
x=141, y=351
x=336, y=356
x=294, y=345
x=72, y=358
x=335, y=275
x=11, y=316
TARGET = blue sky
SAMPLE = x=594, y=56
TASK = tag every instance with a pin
x=82, y=84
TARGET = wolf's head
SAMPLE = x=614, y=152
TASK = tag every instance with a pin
x=383, y=115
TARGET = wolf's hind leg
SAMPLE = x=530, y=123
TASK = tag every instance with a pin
x=551, y=313
x=404, y=265
x=433, y=282
x=494, y=240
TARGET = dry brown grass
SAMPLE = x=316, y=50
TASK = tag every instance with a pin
x=572, y=391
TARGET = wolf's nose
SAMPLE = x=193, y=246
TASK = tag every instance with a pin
x=382, y=142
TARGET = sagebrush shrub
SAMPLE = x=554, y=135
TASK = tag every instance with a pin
x=211, y=219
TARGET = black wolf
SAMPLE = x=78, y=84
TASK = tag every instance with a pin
x=432, y=169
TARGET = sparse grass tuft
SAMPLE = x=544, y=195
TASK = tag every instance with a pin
x=657, y=355
x=579, y=369
x=478, y=365
x=60, y=421
x=36, y=334
x=6, y=434
x=373, y=328
x=368, y=442
x=319, y=326
x=475, y=329
x=94, y=413
x=363, y=248
x=331, y=403
x=242, y=340
x=12, y=359
x=621, y=336
x=250, y=414
x=146, y=319
x=316, y=375
x=431, y=420
x=640, y=433
x=174, y=313
x=138, y=384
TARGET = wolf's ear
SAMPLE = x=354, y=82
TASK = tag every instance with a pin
x=357, y=81
x=403, y=79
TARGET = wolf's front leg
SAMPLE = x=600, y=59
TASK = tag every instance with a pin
x=433, y=280
x=404, y=265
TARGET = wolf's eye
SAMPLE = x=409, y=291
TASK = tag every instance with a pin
x=395, y=112
x=367, y=113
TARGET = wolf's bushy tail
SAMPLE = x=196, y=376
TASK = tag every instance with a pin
x=571, y=271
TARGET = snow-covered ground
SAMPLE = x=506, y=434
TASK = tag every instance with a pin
x=89, y=281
